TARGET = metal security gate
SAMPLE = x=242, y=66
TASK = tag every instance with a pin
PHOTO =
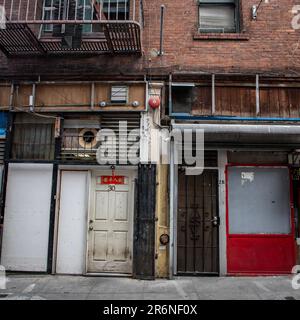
x=197, y=223
x=144, y=224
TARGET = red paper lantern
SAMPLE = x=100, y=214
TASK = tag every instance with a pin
x=154, y=102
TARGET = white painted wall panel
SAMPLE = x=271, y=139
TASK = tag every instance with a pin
x=27, y=214
x=259, y=200
x=71, y=242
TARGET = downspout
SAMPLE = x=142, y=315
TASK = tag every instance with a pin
x=213, y=95
x=171, y=213
x=257, y=95
x=161, y=36
x=171, y=190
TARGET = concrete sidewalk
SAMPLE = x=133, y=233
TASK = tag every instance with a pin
x=30, y=287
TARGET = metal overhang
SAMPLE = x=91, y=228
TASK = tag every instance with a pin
x=283, y=136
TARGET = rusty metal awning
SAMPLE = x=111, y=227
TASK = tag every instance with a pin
x=18, y=39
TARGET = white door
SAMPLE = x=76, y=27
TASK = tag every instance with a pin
x=27, y=214
x=110, y=223
x=72, y=217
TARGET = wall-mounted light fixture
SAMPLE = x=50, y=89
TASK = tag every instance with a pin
x=255, y=9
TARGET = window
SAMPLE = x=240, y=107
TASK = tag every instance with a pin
x=83, y=10
x=116, y=9
x=219, y=16
x=48, y=14
x=77, y=9
x=182, y=97
x=33, y=138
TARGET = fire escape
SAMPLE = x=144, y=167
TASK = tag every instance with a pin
x=60, y=27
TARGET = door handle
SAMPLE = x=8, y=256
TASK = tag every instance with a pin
x=215, y=221
x=91, y=228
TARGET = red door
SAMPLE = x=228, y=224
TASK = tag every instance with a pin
x=260, y=223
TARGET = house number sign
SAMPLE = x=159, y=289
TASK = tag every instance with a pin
x=111, y=180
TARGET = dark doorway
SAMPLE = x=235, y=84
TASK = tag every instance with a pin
x=144, y=224
x=197, y=224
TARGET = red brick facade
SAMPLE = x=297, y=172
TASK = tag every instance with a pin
x=268, y=45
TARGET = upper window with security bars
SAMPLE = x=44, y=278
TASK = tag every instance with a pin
x=85, y=10
x=219, y=16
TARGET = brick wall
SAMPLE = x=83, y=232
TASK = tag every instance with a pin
x=268, y=45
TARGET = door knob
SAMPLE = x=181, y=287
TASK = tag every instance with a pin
x=215, y=221
x=91, y=228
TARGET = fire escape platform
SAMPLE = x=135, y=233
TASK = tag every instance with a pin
x=18, y=39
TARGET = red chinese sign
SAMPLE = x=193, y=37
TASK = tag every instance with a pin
x=112, y=180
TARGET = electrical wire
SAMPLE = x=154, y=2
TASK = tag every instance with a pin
x=259, y=5
x=35, y=113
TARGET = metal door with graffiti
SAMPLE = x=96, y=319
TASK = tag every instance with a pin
x=197, y=223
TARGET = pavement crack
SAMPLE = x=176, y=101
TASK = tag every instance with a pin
x=180, y=291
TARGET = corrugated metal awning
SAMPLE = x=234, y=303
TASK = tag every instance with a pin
x=246, y=135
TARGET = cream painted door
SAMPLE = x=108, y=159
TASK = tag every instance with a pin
x=110, y=224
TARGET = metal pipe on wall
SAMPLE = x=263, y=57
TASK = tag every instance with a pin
x=257, y=96
x=241, y=128
x=171, y=213
x=162, y=12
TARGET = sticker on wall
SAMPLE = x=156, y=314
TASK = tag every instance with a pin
x=247, y=177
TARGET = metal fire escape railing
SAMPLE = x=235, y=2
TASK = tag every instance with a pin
x=39, y=27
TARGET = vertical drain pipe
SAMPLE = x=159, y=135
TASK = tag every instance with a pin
x=171, y=191
x=171, y=211
x=161, y=43
x=257, y=96
x=213, y=95
x=92, y=95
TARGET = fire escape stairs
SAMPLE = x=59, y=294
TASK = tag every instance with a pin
x=118, y=37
